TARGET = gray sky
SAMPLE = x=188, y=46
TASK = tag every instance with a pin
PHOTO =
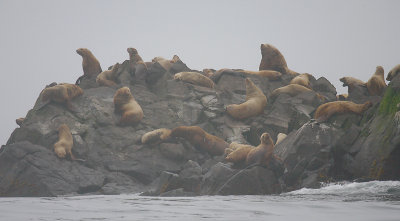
x=38, y=39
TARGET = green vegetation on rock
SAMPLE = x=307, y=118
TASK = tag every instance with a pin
x=389, y=101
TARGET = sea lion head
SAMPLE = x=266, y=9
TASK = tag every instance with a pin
x=60, y=152
x=379, y=70
x=132, y=50
x=343, y=79
x=266, y=138
x=82, y=51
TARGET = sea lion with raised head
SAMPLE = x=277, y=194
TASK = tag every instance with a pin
x=376, y=84
x=125, y=103
x=253, y=106
x=263, y=153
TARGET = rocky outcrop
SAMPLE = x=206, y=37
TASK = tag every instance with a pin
x=112, y=159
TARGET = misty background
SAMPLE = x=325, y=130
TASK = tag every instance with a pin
x=333, y=39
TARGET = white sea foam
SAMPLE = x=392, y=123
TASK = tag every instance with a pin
x=352, y=188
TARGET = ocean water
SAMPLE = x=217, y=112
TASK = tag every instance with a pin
x=377, y=200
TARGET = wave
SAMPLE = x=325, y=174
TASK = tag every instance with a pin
x=372, y=188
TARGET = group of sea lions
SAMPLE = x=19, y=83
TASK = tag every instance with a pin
x=273, y=66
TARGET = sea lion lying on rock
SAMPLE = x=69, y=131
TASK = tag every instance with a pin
x=125, y=103
x=253, y=106
x=238, y=152
x=61, y=93
x=270, y=74
x=156, y=136
x=293, y=90
x=194, y=78
x=325, y=111
x=200, y=139
x=108, y=77
x=303, y=80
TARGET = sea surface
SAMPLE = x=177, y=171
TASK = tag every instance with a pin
x=376, y=200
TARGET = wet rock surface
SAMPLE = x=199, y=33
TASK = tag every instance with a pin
x=112, y=159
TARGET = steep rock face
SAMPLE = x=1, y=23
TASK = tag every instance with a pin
x=112, y=159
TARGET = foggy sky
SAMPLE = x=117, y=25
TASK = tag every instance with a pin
x=333, y=39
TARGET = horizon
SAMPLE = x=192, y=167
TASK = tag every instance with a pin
x=325, y=39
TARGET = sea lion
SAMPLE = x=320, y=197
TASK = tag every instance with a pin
x=342, y=97
x=239, y=152
x=20, y=121
x=208, y=72
x=253, y=106
x=90, y=64
x=107, y=78
x=393, y=73
x=65, y=142
x=325, y=111
x=194, y=78
x=125, y=103
x=270, y=74
x=166, y=64
x=303, y=80
x=376, y=84
x=200, y=139
x=263, y=153
x=280, y=137
x=156, y=136
x=272, y=59
x=350, y=81
x=293, y=90
x=61, y=93
x=134, y=56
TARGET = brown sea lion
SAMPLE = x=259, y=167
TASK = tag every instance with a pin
x=272, y=59
x=90, y=64
x=393, y=73
x=263, y=153
x=125, y=103
x=303, y=80
x=208, y=72
x=270, y=74
x=325, y=111
x=253, y=106
x=293, y=90
x=134, y=55
x=239, y=152
x=166, y=64
x=156, y=136
x=376, y=84
x=200, y=139
x=107, y=78
x=62, y=93
x=349, y=81
x=65, y=142
x=194, y=78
